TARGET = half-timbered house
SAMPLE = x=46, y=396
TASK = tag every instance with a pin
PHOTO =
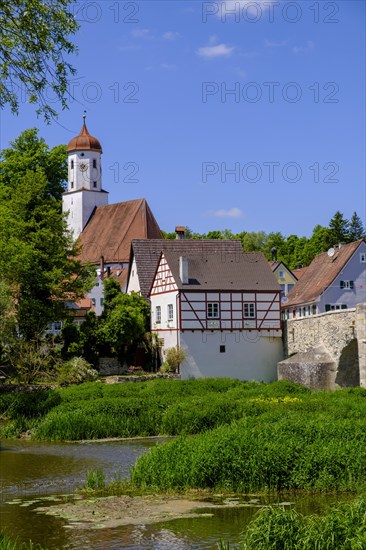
x=222, y=309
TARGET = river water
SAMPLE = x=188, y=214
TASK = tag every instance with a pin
x=37, y=474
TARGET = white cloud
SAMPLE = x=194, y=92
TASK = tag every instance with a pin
x=170, y=35
x=221, y=50
x=274, y=44
x=230, y=213
x=300, y=49
x=142, y=33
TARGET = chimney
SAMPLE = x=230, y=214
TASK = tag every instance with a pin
x=180, y=232
x=101, y=268
x=183, y=269
x=274, y=254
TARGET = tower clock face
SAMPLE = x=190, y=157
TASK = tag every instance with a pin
x=83, y=166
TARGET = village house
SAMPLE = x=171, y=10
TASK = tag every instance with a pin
x=220, y=306
x=334, y=280
x=285, y=277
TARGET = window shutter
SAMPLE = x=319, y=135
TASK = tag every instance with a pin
x=351, y=284
x=342, y=284
x=327, y=306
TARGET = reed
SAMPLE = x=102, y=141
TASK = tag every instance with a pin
x=342, y=528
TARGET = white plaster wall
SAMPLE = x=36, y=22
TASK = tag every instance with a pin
x=248, y=356
x=133, y=284
x=165, y=330
x=84, y=179
x=163, y=300
x=80, y=205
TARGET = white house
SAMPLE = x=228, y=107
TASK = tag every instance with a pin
x=221, y=307
x=334, y=280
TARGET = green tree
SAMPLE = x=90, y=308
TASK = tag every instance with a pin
x=338, y=226
x=253, y=241
x=125, y=323
x=34, y=45
x=30, y=152
x=38, y=259
x=112, y=290
x=355, y=229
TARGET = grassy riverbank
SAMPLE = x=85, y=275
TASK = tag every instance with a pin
x=233, y=436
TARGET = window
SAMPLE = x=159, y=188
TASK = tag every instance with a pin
x=93, y=301
x=81, y=154
x=281, y=274
x=314, y=309
x=249, y=310
x=72, y=185
x=158, y=314
x=222, y=349
x=57, y=325
x=332, y=307
x=72, y=165
x=363, y=257
x=290, y=287
x=94, y=163
x=94, y=183
x=347, y=284
x=102, y=301
x=170, y=312
x=283, y=290
x=213, y=311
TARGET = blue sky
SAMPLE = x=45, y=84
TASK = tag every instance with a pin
x=250, y=121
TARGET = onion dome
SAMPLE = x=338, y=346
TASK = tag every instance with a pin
x=84, y=141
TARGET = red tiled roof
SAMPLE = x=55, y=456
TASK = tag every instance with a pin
x=299, y=272
x=320, y=274
x=111, y=228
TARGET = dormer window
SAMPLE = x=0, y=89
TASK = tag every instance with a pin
x=347, y=285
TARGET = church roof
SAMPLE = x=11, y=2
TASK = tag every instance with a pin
x=111, y=228
x=84, y=141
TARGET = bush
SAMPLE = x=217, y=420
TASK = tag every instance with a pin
x=343, y=528
x=76, y=371
x=174, y=358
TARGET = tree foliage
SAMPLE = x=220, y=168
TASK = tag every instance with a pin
x=292, y=250
x=29, y=152
x=34, y=50
x=38, y=259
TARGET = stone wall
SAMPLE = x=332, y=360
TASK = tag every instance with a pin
x=109, y=366
x=326, y=351
x=334, y=329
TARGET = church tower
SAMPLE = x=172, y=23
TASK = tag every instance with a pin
x=84, y=187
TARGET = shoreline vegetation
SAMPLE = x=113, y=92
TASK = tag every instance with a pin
x=228, y=437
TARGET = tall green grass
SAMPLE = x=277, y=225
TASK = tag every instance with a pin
x=343, y=528
x=7, y=543
x=273, y=451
